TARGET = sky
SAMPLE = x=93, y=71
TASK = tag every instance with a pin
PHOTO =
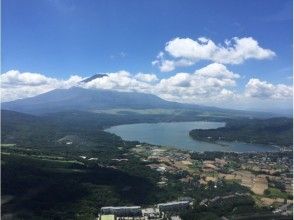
x=225, y=53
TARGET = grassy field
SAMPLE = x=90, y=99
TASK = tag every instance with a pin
x=276, y=193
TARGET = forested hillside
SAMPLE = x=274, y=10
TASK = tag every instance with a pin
x=276, y=131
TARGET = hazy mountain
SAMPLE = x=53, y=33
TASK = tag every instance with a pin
x=80, y=99
x=77, y=98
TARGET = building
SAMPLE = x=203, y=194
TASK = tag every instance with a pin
x=122, y=211
x=176, y=206
x=151, y=213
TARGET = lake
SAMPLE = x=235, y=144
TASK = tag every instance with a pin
x=176, y=134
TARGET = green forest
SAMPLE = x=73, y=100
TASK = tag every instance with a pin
x=273, y=131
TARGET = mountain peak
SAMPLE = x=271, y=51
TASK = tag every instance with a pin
x=96, y=76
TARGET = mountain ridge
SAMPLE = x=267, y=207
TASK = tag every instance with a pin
x=96, y=76
x=81, y=99
x=77, y=98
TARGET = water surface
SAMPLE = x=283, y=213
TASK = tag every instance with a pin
x=176, y=134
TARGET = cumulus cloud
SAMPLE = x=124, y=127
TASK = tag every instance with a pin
x=210, y=83
x=213, y=84
x=122, y=81
x=17, y=85
x=165, y=65
x=186, y=52
x=15, y=78
x=146, y=77
x=217, y=70
x=170, y=65
x=262, y=89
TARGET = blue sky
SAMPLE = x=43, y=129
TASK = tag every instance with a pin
x=62, y=38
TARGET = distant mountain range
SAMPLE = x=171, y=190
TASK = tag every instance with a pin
x=91, y=100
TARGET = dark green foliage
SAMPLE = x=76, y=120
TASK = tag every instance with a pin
x=223, y=207
x=53, y=186
x=49, y=180
x=276, y=193
x=276, y=131
x=196, y=215
x=42, y=132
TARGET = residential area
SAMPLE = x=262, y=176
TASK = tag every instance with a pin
x=267, y=176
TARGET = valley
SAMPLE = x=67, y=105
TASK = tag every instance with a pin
x=67, y=160
x=65, y=165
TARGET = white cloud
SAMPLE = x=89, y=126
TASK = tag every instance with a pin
x=167, y=66
x=217, y=70
x=190, y=49
x=146, y=77
x=261, y=89
x=186, y=52
x=17, y=85
x=15, y=78
x=170, y=65
x=122, y=81
x=213, y=84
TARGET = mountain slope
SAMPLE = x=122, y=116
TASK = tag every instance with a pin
x=77, y=98
x=93, y=100
x=18, y=127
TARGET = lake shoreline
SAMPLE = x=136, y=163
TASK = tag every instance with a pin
x=176, y=135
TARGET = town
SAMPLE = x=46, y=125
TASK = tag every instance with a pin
x=160, y=211
x=266, y=175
